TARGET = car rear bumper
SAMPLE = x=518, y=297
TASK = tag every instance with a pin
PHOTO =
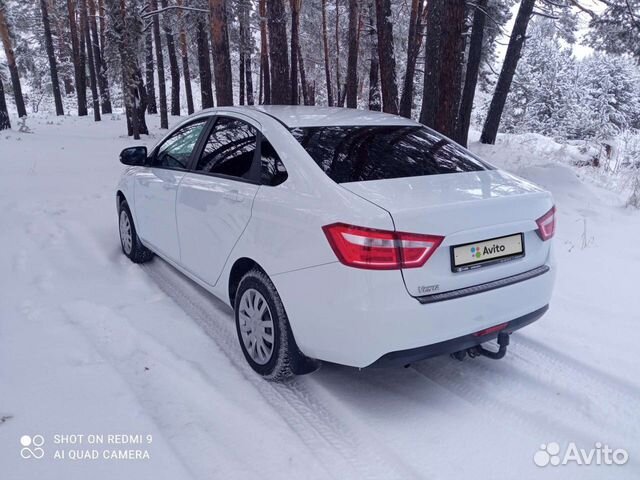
x=405, y=357
x=356, y=317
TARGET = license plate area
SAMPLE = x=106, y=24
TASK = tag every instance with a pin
x=487, y=252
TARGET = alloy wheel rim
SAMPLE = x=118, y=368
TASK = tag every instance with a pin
x=125, y=232
x=256, y=326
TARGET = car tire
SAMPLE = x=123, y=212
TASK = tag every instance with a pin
x=283, y=360
x=129, y=240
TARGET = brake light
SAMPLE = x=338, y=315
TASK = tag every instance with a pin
x=547, y=224
x=373, y=249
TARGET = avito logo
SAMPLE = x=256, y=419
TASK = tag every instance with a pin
x=478, y=252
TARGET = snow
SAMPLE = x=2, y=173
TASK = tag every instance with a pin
x=93, y=344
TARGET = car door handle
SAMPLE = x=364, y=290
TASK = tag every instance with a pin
x=233, y=196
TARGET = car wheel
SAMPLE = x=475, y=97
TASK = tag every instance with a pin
x=263, y=330
x=129, y=240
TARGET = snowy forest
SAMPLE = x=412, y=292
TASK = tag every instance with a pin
x=567, y=69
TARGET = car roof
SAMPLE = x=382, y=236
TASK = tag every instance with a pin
x=293, y=116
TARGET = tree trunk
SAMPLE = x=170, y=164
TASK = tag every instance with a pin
x=102, y=14
x=241, y=65
x=443, y=69
x=84, y=24
x=5, y=34
x=325, y=44
x=374, y=64
x=242, y=48
x=430, y=91
x=414, y=42
x=450, y=81
x=278, y=53
x=5, y=122
x=471, y=75
x=63, y=54
x=78, y=66
x=295, y=44
x=124, y=30
x=352, y=56
x=173, y=64
x=492, y=122
x=53, y=67
x=249, y=75
x=204, y=65
x=246, y=48
x=162, y=89
x=303, y=78
x=221, y=55
x=265, y=70
x=337, y=40
x=152, y=106
x=185, y=61
x=101, y=67
x=386, y=57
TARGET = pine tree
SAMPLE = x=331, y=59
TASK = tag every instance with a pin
x=221, y=55
x=325, y=46
x=149, y=72
x=474, y=58
x=352, y=56
x=444, y=50
x=265, y=68
x=162, y=89
x=518, y=35
x=375, y=102
x=204, y=64
x=386, y=57
x=100, y=65
x=278, y=53
x=295, y=47
x=5, y=36
x=414, y=43
x=84, y=25
x=173, y=61
x=53, y=64
x=185, y=60
x=77, y=53
x=5, y=122
x=126, y=34
x=617, y=29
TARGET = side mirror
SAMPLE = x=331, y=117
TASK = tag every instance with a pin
x=134, y=156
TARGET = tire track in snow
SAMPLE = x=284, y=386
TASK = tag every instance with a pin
x=569, y=396
x=562, y=361
x=325, y=435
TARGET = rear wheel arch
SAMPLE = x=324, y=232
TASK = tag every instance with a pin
x=240, y=268
x=120, y=198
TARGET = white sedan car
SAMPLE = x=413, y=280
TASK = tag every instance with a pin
x=341, y=235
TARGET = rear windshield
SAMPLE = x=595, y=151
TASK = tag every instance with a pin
x=361, y=153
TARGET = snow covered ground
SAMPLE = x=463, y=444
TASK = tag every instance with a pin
x=92, y=344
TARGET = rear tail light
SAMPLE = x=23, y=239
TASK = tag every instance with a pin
x=379, y=249
x=547, y=224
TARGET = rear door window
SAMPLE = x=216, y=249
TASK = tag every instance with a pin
x=230, y=149
x=361, y=153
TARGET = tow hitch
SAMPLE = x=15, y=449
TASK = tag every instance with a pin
x=479, y=350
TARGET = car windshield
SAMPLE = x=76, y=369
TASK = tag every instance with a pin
x=361, y=153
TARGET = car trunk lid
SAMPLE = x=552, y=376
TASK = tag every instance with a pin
x=464, y=208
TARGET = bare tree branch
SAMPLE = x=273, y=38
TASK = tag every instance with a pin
x=172, y=7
